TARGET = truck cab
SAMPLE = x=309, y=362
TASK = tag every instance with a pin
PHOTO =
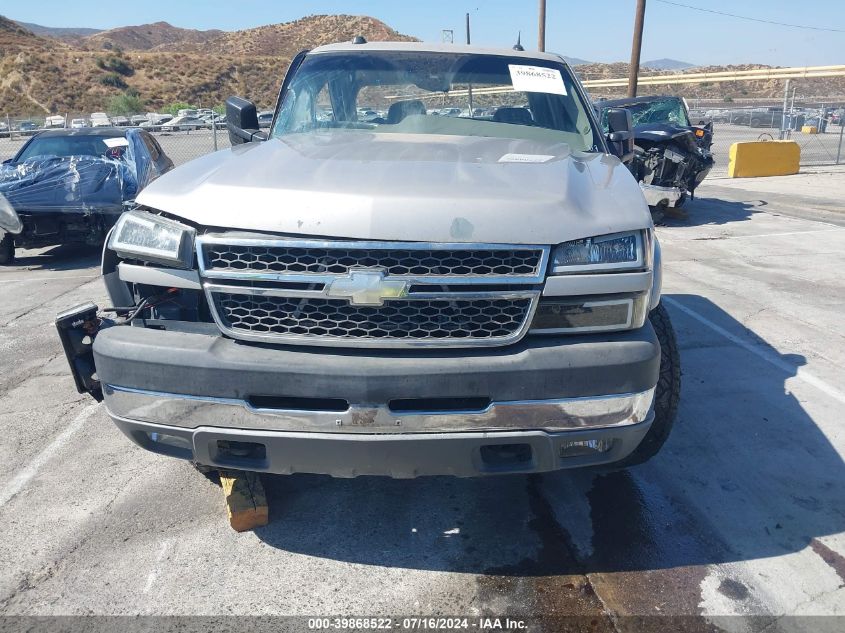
x=398, y=295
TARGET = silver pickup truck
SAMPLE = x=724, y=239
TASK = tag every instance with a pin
x=399, y=292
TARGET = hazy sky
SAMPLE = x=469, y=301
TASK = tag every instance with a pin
x=590, y=29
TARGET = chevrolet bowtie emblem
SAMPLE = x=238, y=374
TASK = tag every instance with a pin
x=367, y=288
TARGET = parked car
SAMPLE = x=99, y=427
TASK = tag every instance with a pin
x=154, y=123
x=427, y=295
x=54, y=122
x=183, y=123
x=100, y=119
x=70, y=186
x=758, y=117
x=77, y=124
x=27, y=128
x=4, y=129
x=137, y=119
x=155, y=117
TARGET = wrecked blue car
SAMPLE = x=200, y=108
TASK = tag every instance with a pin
x=70, y=186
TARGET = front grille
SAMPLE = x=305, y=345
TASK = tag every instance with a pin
x=340, y=261
x=412, y=319
x=370, y=293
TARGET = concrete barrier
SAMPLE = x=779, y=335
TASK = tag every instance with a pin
x=764, y=158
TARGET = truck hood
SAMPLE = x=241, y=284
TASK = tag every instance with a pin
x=361, y=185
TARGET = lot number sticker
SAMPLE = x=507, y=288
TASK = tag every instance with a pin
x=117, y=141
x=536, y=79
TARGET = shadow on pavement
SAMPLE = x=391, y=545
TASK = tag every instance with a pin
x=712, y=211
x=746, y=474
x=64, y=257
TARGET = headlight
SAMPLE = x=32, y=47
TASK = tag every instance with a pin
x=146, y=236
x=9, y=220
x=618, y=251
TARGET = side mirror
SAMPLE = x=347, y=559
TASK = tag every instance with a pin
x=620, y=134
x=242, y=121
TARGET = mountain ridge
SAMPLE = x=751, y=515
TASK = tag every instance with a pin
x=665, y=63
x=165, y=64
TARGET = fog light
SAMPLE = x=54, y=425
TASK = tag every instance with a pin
x=171, y=440
x=589, y=314
x=580, y=448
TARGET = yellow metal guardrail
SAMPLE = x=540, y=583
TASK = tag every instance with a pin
x=798, y=72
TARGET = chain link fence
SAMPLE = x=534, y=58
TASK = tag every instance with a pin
x=817, y=128
x=192, y=138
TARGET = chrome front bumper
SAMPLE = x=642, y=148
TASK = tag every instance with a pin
x=655, y=196
x=184, y=411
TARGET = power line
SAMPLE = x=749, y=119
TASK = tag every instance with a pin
x=745, y=17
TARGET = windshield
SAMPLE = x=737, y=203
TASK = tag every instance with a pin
x=73, y=146
x=668, y=110
x=436, y=93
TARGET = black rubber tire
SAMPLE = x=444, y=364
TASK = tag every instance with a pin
x=667, y=394
x=7, y=251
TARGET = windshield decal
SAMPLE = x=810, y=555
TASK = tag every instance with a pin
x=536, y=79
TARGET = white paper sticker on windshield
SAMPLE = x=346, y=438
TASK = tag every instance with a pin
x=118, y=141
x=525, y=158
x=536, y=79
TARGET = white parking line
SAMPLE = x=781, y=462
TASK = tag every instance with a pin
x=151, y=577
x=739, y=237
x=27, y=474
x=767, y=356
x=8, y=281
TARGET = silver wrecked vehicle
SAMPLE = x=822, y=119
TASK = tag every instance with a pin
x=403, y=295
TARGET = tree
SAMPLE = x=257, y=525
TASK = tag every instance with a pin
x=129, y=102
x=174, y=108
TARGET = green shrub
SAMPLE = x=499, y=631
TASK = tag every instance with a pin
x=114, y=80
x=174, y=108
x=127, y=103
x=115, y=64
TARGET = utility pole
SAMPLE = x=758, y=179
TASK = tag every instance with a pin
x=469, y=86
x=636, y=47
x=783, y=130
x=541, y=36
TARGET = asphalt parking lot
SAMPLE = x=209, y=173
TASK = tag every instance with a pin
x=743, y=512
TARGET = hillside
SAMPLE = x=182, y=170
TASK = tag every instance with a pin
x=72, y=34
x=163, y=63
x=14, y=39
x=167, y=64
x=146, y=37
x=272, y=40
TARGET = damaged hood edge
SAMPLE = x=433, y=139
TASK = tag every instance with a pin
x=387, y=189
